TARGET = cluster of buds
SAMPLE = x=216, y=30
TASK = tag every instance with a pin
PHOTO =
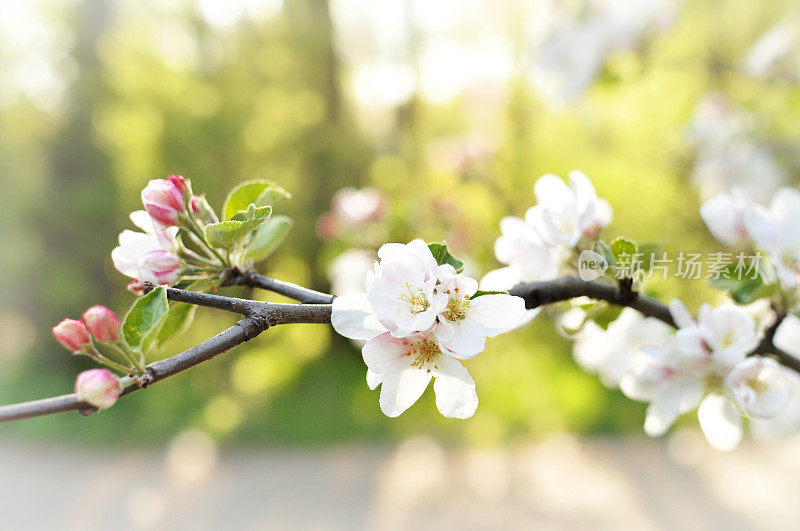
x=158, y=255
x=98, y=326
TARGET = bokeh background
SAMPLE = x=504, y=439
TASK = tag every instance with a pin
x=450, y=110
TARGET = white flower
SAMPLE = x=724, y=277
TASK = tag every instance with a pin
x=135, y=245
x=759, y=386
x=691, y=368
x=725, y=216
x=786, y=421
x=775, y=230
x=401, y=288
x=356, y=206
x=418, y=318
x=465, y=323
x=616, y=351
x=768, y=56
x=722, y=335
x=563, y=215
x=404, y=367
x=527, y=257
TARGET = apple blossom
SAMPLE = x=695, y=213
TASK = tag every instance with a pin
x=163, y=200
x=73, y=335
x=182, y=184
x=159, y=267
x=401, y=288
x=759, y=386
x=786, y=421
x=775, y=230
x=466, y=322
x=614, y=352
x=134, y=245
x=725, y=216
x=527, y=257
x=405, y=366
x=102, y=323
x=564, y=214
x=689, y=369
x=98, y=387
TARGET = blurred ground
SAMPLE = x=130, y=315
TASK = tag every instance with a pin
x=559, y=483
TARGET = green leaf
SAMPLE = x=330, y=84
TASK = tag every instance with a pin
x=622, y=247
x=606, y=315
x=259, y=192
x=604, y=250
x=268, y=237
x=624, y=252
x=227, y=234
x=481, y=293
x=177, y=322
x=145, y=317
x=443, y=256
x=181, y=314
x=742, y=290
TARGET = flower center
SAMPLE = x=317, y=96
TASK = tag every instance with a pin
x=424, y=353
x=727, y=339
x=456, y=309
x=713, y=381
x=416, y=299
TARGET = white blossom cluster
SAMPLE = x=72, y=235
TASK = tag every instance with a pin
x=536, y=247
x=705, y=363
x=419, y=319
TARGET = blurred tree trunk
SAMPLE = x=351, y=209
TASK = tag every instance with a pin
x=77, y=219
x=335, y=155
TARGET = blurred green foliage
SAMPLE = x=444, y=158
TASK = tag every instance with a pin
x=265, y=99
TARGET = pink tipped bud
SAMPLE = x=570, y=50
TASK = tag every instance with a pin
x=73, y=335
x=196, y=203
x=98, y=387
x=163, y=201
x=182, y=184
x=159, y=267
x=102, y=323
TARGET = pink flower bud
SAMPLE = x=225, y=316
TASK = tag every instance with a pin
x=159, y=267
x=102, y=323
x=73, y=335
x=98, y=387
x=182, y=184
x=163, y=201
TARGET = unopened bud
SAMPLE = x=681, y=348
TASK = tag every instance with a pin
x=163, y=201
x=98, y=387
x=102, y=323
x=159, y=267
x=73, y=335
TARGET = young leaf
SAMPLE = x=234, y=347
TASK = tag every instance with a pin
x=259, y=192
x=145, y=317
x=605, y=251
x=181, y=314
x=743, y=289
x=226, y=234
x=623, y=247
x=268, y=237
x=481, y=293
x=443, y=256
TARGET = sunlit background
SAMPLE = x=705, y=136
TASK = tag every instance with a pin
x=446, y=112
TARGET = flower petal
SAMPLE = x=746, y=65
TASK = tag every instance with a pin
x=496, y=314
x=402, y=386
x=381, y=351
x=455, y=389
x=720, y=422
x=352, y=317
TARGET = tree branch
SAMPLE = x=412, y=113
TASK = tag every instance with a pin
x=537, y=294
x=258, y=317
x=261, y=315
x=287, y=289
